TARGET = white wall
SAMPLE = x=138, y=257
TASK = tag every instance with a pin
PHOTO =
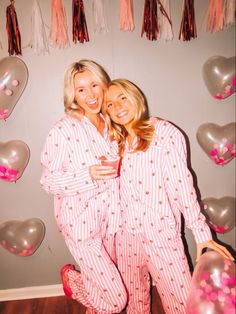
x=170, y=76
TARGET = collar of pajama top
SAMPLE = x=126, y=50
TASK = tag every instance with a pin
x=84, y=120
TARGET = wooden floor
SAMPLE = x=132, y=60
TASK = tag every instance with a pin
x=59, y=305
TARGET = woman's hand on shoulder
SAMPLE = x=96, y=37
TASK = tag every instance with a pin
x=211, y=244
x=99, y=172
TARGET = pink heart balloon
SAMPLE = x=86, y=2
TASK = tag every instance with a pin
x=212, y=288
x=13, y=79
x=220, y=213
x=14, y=157
x=219, y=76
x=22, y=238
x=218, y=141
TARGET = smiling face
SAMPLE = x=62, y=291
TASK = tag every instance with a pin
x=89, y=93
x=119, y=107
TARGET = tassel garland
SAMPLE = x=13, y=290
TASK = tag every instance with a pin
x=79, y=32
x=126, y=15
x=58, y=33
x=215, y=16
x=150, y=23
x=230, y=13
x=39, y=41
x=13, y=32
x=100, y=25
x=188, y=28
x=165, y=24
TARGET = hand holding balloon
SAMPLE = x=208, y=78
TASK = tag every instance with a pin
x=212, y=288
x=211, y=244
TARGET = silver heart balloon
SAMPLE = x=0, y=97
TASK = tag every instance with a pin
x=219, y=76
x=14, y=157
x=218, y=141
x=22, y=238
x=220, y=213
x=212, y=288
x=13, y=79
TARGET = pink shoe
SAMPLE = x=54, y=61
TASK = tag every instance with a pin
x=65, y=281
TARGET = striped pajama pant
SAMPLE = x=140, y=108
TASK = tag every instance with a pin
x=98, y=285
x=167, y=265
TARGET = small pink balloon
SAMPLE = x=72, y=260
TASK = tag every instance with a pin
x=8, y=92
x=2, y=86
x=15, y=82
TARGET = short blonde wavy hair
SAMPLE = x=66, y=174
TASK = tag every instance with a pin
x=100, y=76
x=142, y=126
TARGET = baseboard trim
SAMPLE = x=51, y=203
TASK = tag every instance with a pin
x=31, y=292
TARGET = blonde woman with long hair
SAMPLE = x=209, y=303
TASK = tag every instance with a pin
x=85, y=192
x=156, y=187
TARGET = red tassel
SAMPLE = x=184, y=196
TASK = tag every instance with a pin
x=80, y=31
x=188, y=28
x=13, y=32
x=150, y=23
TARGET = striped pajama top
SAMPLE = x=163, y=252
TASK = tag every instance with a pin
x=156, y=187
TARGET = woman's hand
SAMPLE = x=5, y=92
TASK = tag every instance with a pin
x=99, y=172
x=211, y=244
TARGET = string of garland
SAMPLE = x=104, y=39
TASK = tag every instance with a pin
x=156, y=22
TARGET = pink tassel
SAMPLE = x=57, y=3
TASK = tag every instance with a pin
x=126, y=15
x=58, y=33
x=215, y=16
x=1, y=47
x=230, y=13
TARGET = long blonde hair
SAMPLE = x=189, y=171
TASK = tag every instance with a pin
x=142, y=126
x=97, y=70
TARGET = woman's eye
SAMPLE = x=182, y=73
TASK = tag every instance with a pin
x=80, y=90
x=123, y=98
x=95, y=85
x=109, y=106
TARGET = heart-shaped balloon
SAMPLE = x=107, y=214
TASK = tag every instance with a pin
x=14, y=157
x=212, y=288
x=22, y=238
x=220, y=213
x=219, y=76
x=218, y=141
x=13, y=79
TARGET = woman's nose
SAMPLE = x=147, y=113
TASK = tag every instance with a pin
x=90, y=93
x=117, y=105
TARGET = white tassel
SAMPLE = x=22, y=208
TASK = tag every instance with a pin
x=229, y=18
x=1, y=47
x=166, y=31
x=39, y=41
x=100, y=25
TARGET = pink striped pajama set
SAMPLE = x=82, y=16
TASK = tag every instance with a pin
x=87, y=212
x=155, y=188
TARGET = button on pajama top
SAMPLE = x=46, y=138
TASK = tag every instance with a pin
x=87, y=212
x=155, y=188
